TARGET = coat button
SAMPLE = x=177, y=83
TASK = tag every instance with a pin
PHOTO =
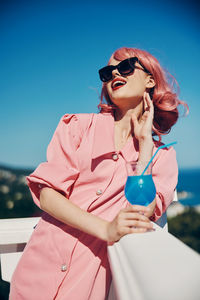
x=115, y=156
x=99, y=192
x=64, y=268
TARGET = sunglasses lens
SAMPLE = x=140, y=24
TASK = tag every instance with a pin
x=106, y=73
x=126, y=67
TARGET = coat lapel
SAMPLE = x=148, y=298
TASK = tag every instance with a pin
x=103, y=142
x=104, y=135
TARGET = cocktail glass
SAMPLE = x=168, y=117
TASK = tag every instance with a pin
x=140, y=188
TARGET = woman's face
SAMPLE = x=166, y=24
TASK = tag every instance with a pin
x=131, y=90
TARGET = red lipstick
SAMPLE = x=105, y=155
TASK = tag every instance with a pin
x=117, y=83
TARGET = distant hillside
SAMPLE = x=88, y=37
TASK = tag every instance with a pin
x=15, y=197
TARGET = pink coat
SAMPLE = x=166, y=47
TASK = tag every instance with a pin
x=60, y=262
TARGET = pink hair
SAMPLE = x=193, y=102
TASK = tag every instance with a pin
x=163, y=95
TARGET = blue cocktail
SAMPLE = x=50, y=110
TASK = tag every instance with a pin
x=139, y=189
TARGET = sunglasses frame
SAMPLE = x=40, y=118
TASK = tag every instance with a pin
x=131, y=61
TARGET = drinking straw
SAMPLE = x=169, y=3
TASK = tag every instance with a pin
x=161, y=147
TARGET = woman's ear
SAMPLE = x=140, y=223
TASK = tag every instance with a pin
x=150, y=82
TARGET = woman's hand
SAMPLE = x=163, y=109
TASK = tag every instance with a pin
x=143, y=126
x=132, y=219
x=143, y=130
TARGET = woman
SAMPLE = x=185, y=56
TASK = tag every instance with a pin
x=81, y=186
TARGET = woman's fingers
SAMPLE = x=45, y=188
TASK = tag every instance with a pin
x=127, y=230
x=148, y=104
x=131, y=217
x=137, y=208
x=137, y=224
x=143, y=126
x=136, y=216
x=138, y=230
x=147, y=98
x=135, y=121
x=134, y=219
x=128, y=220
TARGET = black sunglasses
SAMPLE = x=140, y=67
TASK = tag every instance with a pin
x=125, y=67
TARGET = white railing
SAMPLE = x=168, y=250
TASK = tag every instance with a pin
x=148, y=266
x=14, y=234
x=154, y=266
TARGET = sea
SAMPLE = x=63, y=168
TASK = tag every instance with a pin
x=189, y=187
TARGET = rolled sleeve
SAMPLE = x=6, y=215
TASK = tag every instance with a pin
x=61, y=168
x=165, y=176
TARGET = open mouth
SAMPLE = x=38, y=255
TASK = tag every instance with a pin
x=117, y=83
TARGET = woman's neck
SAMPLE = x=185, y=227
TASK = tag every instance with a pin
x=124, y=126
x=123, y=116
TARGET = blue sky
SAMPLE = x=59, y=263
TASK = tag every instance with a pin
x=50, y=52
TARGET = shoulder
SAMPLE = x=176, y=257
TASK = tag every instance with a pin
x=169, y=150
x=165, y=157
x=77, y=121
x=82, y=119
x=74, y=126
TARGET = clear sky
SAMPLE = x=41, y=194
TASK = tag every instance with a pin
x=50, y=52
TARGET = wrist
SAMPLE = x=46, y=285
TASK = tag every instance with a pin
x=146, y=141
x=103, y=233
x=145, y=149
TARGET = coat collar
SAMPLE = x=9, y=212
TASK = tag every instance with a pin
x=104, y=135
x=104, y=139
